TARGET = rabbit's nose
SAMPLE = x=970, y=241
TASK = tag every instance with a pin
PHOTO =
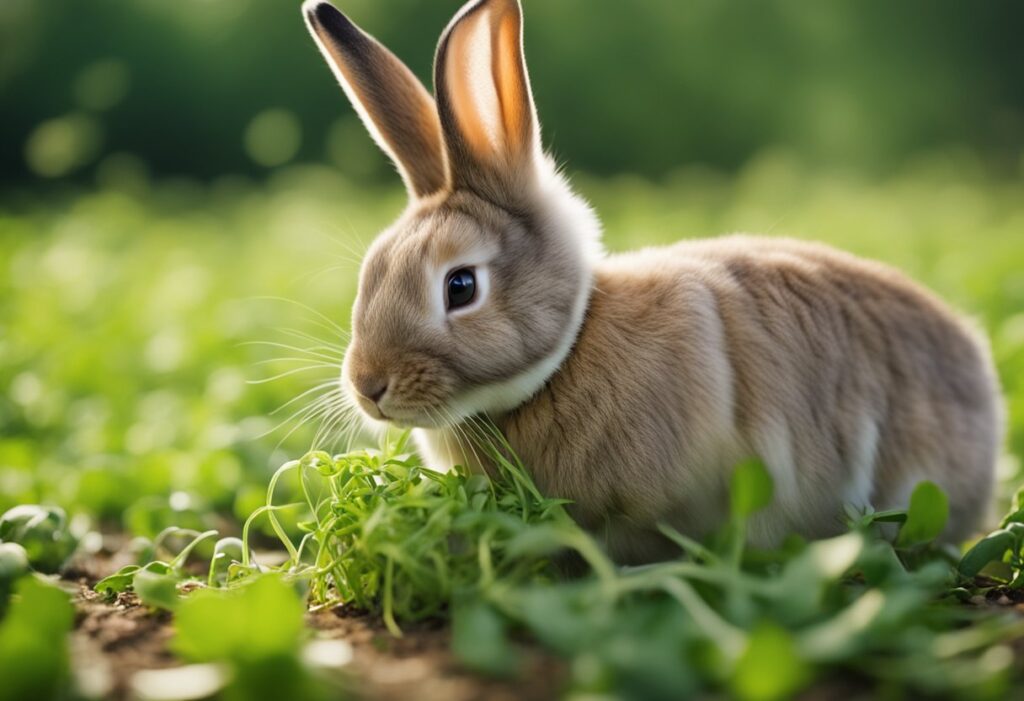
x=372, y=388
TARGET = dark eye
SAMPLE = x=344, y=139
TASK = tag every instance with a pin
x=460, y=287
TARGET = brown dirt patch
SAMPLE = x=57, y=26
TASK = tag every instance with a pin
x=112, y=641
x=420, y=665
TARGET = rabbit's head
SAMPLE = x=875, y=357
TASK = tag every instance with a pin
x=473, y=298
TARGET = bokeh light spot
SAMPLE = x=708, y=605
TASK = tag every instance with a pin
x=102, y=85
x=350, y=148
x=58, y=146
x=273, y=137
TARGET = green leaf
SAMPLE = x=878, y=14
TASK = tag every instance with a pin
x=991, y=548
x=1016, y=516
x=321, y=462
x=254, y=622
x=479, y=639
x=797, y=593
x=33, y=642
x=13, y=562
x=926, y=515
x=42, y=531
x=116, y=583
x=751, y=488
x=225, y=552
x=156, y=589
x=770, y=668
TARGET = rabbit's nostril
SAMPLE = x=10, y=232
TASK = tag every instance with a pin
x=371, y=387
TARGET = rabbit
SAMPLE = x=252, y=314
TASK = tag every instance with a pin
x=632, y=384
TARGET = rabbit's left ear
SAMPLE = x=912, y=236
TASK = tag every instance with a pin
x=483, y=97
x=395, y=107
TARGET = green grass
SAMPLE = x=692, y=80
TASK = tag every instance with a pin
x=150, y=334
x=392, y=537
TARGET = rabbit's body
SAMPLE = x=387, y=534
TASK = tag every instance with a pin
x=849, y=381
x=633, y=384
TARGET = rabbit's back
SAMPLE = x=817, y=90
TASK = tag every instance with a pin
x=850, y=382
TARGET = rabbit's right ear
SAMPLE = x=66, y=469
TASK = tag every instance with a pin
x=395, y=107
x=484, y=99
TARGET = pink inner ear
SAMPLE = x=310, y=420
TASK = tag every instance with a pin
x=511, y=82
x=473, y=86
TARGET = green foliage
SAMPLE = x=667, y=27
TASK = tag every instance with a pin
x=390, y=535
x=156, y=588
x=256, y=630
x=42, y=531
x=33, y=645
x=13, y=562
x=254, y=622
x=926, y=515
x=771, y=666
x=156, y=582
x=992, y=548
x=1000, y=554
x=13, y=566
x=480, y=638
x=394, y=537
x=751, y=489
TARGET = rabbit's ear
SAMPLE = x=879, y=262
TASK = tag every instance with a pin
x=484, y=100
x=395, y=107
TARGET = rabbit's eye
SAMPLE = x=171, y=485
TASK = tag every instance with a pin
x=460, y=288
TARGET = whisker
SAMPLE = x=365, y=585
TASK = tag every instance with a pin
x=295, y=349
x=306, y=307
x=461, y=435
x=310, y=417
x=347, y=264
x=289, y=373
x=283, y=359
x=310, y=337
x=329, y=421
x=300, y=413
x=322, y=386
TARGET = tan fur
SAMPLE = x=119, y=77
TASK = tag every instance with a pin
x=692, y=356
x=633, y=384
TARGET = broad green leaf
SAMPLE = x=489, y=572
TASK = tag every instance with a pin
x=116, y=583
x=1017, y=529
x=1012, y=517
x=798, y=592
x=13, y=562
x=33, y=642
x=554, y=614
x=991, y=548
x=156, y=589
x=770, y=668
x=479, y=639
x=926, y=515
x=751, y=488
x=256, y=621
x=42, y=531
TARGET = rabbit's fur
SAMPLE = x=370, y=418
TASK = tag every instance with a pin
x=633, y=383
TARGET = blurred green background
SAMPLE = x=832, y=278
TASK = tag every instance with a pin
x=204, y=87
x=169, y=167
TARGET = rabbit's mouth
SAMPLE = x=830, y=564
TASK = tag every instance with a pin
x=404, y=417
x=414, y=419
